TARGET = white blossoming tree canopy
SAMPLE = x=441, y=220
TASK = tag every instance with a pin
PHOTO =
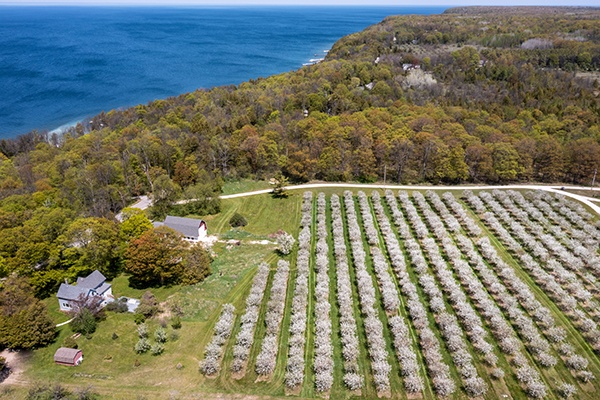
x=428, y=293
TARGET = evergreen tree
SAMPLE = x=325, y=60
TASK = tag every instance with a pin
x=24, y=320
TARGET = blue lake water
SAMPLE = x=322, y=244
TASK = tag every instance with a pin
x=59, y=65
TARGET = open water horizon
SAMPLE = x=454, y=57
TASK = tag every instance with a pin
x=60, y=65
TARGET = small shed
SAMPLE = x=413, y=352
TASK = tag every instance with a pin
x=67, y=356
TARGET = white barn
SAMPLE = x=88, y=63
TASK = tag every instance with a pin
x=193, y=230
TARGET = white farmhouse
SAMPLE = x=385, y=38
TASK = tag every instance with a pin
x=92, y=285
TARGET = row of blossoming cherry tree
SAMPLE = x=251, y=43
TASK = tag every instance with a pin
x=451, y=293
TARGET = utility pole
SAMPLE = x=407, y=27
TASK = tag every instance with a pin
x=594, y=179
x=384, y=173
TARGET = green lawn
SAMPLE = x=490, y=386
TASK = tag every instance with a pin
x=265, y=216
x=244, y=185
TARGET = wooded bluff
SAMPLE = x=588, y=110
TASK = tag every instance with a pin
x=488, y=95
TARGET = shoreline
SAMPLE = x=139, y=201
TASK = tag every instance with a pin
x=65, y=127
x=286, y=51
x=60, y=130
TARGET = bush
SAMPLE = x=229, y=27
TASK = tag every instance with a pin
x=176, y=308
x=139, y=319
x=117, y=306
x=70, y=343
x=84, y=322
x=86, y=394
x=176, y=322
x=142, y=346
x=58, y=392
x=142, y=331
x=160, y=335
x=237, y=220
x=115, y=336
x=157, y=349
x=148, y=305
x=40, y=392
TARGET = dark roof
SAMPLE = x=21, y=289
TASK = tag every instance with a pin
x=186, y=226
x=103, y=288
x=66, y=355
x=70, y=292
x=95, y=281
x=92, y=281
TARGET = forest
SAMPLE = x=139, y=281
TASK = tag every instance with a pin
x=471, y=95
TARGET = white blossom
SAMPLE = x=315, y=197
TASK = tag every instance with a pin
x=266, y=359
x=213, y=352
x=294, y=375
x=245, y=336
x=348, y=330
x=323, y=353
x=366, y=294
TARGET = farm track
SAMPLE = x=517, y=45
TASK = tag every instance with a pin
x=588, y=201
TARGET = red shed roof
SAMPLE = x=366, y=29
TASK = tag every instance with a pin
x=65, y=355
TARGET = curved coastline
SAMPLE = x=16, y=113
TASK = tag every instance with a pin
x=142, y=56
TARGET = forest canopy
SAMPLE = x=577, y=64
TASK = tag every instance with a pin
x=471, y=95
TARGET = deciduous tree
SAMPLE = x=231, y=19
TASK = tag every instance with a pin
x=24, y=320
x=155, y=258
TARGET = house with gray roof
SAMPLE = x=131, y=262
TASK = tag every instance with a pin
x=191, y=229
x=92, y=285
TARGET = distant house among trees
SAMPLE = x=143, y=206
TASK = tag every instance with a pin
x=67, y=356
x=92, y=285
x=192, y=229
x=410, y=67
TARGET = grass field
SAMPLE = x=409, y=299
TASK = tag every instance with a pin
x=115, y=371
x=244, y=185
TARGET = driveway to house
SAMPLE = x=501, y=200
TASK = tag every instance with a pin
x=142, y=203
x=145, y=202
x=64, y=323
